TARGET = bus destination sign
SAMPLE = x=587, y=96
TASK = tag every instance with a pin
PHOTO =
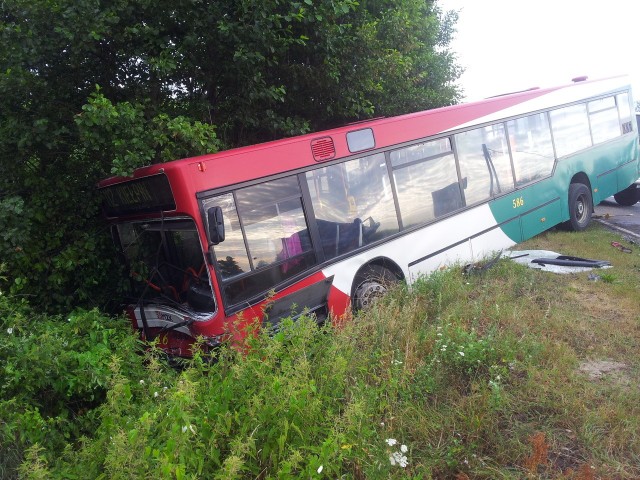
x=144, y=195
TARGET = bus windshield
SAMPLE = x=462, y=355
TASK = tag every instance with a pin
x=166, y=263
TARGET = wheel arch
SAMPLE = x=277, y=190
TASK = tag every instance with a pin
x=383, y=262
x=583, y=178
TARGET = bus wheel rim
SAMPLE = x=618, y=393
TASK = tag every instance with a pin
x=580, y=208
x=369, y=292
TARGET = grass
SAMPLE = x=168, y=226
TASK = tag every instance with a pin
x=492, y=375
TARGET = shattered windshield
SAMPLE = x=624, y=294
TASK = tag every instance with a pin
x=166, y=263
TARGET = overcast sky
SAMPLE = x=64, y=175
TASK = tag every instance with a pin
x=510, y=45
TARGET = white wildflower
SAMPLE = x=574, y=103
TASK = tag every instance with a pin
x=9, y=330
x=391, y=441
x=155, y=394
x=403, y=448
x=141, y=382
x=320, y=469
x=461, y=354
x=399, y=459
x=184, y=429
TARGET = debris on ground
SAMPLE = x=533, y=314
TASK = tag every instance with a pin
x=621, y=247
x=554, y=262
x=605, y=216
x=479, y=267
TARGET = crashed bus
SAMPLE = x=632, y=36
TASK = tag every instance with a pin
x=322, y=222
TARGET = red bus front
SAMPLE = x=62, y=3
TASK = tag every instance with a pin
x=181, y=293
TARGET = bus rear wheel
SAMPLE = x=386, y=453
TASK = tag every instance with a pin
x=628, y=197
x=580, y=207
x=372, y=284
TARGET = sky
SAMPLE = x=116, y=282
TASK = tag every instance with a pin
x=511, y=45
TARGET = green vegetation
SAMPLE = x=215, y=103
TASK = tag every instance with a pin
x=506, y=373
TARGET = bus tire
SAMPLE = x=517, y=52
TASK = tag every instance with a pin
x=371, y=284
x=580, y=207
x=628, y=197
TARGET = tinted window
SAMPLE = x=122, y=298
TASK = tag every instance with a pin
x=353, y=204
x=485, y=165
x=570, y=128
x=531, y=147
x=426, y=181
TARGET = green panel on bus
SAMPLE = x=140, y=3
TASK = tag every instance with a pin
x=606, y=183
x=540, y=219
x=506, y=216
x=626, y=172
x=513, y=230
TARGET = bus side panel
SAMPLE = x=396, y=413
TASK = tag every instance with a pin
x=615, y=165
x=629, y=170
x=459, y=253
x=537, y=206
x=466, y=236
x=541, y=218
x=493, y=241
x=608, y=166
x=606, y=185
x=627, y=174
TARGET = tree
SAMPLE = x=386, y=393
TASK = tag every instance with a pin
x=90, y=88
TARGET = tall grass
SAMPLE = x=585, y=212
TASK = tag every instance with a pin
x=462, y=376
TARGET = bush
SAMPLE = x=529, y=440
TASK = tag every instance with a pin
x=54, y=373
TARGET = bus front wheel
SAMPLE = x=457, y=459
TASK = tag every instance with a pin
x=580, y=207
x=372, y=284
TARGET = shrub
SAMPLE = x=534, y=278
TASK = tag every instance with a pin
x=54, y=372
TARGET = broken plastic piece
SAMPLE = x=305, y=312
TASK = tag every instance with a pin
x=568, y=261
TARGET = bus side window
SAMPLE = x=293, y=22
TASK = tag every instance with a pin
x=273, y=220
x=484, y=159
x=353, y=204
x=624, y=112
x=603, y=116
x=426, y=181
x=231, y=255
x=570, y=126
x=531, y=147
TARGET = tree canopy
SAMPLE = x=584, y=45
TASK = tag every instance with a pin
x=90, y=88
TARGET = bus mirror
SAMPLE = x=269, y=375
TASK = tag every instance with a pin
x=216, y=225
